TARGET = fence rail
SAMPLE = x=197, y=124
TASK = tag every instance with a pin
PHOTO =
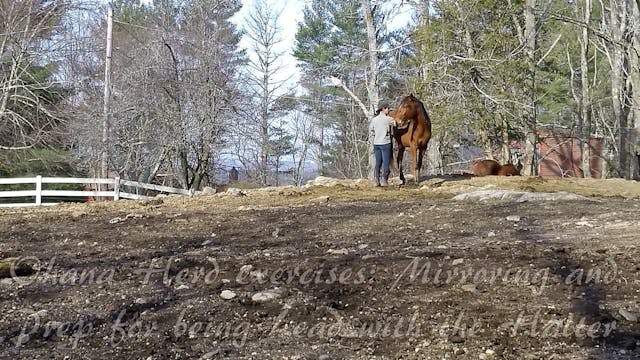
x=116, y=192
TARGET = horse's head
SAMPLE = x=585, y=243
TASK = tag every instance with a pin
x=408, y=110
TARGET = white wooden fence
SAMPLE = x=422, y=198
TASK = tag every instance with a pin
x=116, y=193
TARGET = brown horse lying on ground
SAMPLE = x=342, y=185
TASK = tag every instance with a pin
x=492, y=167
x=412, y=130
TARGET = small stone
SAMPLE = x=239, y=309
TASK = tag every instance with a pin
x=514, y=218
x=227, y=295
x=206, y=242
x=469, y=288
x=116, y=220
x=629, y=316
x=210, y=355
x=342, y=251
x=234, y=192
x=490, y=353
x=265, y=296
x=457, y=262
x=208, y=190
x=491, y=234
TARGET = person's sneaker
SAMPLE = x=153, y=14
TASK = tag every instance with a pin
x=384, y=183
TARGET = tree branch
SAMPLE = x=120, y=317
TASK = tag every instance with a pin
x=353, y=96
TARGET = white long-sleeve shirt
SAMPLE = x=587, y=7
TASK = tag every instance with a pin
x=379, y=129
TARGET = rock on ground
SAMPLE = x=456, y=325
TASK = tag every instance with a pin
x=518, y=196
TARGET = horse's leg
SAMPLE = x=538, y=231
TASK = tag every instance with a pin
x=414, y=162
x=392, y=162
x=421, y=151
x=399, y=162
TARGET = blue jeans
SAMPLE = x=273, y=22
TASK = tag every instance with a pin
x=383, y=159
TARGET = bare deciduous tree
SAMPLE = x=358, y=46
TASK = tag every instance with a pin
x=267, y=83
x=28, y=89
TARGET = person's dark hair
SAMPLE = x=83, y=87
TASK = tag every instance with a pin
x=383, y=106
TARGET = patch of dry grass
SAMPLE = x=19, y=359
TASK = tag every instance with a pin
x=434, y=188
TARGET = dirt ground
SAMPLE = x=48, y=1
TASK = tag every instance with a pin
x=343, y=271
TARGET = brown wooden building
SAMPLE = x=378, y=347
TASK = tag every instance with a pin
x=560, y=155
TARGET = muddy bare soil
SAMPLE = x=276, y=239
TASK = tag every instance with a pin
x=349, y=274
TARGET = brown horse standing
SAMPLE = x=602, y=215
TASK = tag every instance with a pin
x=412, y=130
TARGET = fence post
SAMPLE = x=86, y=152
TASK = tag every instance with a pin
x=38, y=190
x=116, y=189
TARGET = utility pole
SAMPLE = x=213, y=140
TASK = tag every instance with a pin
x=104, y=156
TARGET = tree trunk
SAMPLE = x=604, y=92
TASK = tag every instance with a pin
x=183, y=162
x=485, y=141
x=635, y=93
x=264, y=130
x=585, y=103
x=504, y=132
x=530, y=166
x=321, y=170
x=434, y=151
x=434, y=157
x=374, y=70
x=423, y=12
x=618, y=25
x=104, y=155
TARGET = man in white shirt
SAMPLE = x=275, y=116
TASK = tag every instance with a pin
x=380, y=136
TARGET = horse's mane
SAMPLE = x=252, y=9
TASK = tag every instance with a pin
x=421, y=108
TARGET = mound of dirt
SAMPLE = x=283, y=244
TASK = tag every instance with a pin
x=325, y=272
